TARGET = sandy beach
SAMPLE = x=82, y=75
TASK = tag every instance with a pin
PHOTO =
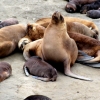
x=18, y=86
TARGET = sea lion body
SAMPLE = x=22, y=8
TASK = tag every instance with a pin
x=5, y=70
x=9, y=38
x=62, y=48
x=8, y=22
x=40, y=69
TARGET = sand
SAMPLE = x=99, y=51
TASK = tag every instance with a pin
x=18, y=86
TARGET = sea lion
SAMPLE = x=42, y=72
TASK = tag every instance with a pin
x=9, y=38
x=37, y=97
x=5, y=70
x=92, y=6
x=8, y=22
x=40, y=69
x=75, y=5
x=90, y=46
x=45, y=21
x=62, y=48
x=93, y=14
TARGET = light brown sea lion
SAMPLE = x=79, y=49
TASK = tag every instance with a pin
x=55, y=39
x=37, y=97
x=5, y=70
x=62, y=48
x=45, y=21
x=9, y=38
x=40, y=69
x=8, y=22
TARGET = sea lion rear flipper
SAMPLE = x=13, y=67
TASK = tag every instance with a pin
x=70, y=74
x=26, y=71
x=82, y=56
x=41, y=78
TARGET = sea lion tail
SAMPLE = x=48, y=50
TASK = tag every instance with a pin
x=41, y=78
x=70, y=74
x=26, y=71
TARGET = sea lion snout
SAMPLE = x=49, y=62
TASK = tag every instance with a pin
x=57, y=17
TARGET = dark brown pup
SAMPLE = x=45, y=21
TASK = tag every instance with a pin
x=5, y=71
x=8, y=22
x=37, y=97
x=75, y=5
x=93, y=14
x=40, y=69
x=92, y=6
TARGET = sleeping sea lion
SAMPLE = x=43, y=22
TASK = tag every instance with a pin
x=40, y=69
x=5, y=70
x=45, y=21
x=8, y=22
x=9, y=38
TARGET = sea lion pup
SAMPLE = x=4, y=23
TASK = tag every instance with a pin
x=40, y=69
x=93, y=14
x=45, y=21
x=92, y=6
x=8, y=22
x=9, y=38
x=37, y=97
x=65, y=47
x=75, y=5
x=5, y=70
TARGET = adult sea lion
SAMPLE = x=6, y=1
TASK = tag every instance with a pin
x=9, y=38
x=40, y=69
x=45, y=21
x=5, y=70
x=62, y=48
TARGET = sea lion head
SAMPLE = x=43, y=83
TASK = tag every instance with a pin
x=57, y=18
x=70, y=7
x=35, y=31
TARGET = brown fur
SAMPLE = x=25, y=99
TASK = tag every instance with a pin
x=75, y=5
x=69, y=20
x=39, y=68
x=5, y=71
x=9, y=38
x=87, y=44
x=62, y=48
x=55, y=39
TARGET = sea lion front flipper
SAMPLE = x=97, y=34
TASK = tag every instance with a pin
x=41, y=78
x=82, y=56
x=26, y=71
